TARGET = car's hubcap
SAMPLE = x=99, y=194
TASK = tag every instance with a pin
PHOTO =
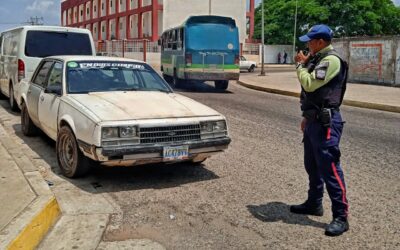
x=67, y=152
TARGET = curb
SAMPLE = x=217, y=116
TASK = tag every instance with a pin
x=33, y=233
x=358, y=104
x=28, y=228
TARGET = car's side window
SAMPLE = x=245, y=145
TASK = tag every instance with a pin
x=55, y=76
x=41, y=76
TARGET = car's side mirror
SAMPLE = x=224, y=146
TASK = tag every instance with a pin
x=53, y=89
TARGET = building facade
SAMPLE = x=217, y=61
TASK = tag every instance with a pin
x=146, y=19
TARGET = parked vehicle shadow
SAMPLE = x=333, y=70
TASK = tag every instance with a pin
x=279, y=211
x=105, y=179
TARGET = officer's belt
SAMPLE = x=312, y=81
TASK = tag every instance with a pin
x=313, y=114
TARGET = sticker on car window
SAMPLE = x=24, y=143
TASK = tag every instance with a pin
x=72, y=65
x=101, y=65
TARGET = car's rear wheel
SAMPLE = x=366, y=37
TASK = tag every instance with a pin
x=221, y=84
x=70, y=158
x=13, y=103
x=27, y=126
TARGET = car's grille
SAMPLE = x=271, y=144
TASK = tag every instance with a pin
x=169, y=134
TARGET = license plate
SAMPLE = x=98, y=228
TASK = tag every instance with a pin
x=176, y=153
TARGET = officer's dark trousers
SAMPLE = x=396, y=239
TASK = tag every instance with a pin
x=322, y=163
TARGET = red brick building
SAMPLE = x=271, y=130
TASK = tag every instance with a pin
x=128, y=19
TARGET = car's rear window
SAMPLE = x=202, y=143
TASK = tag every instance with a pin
x=46, y=43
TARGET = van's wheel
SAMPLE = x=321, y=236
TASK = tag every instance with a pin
x=27, y=126
x=70, y=158
x=13, y=103
x=221, y=84
x=251, y=69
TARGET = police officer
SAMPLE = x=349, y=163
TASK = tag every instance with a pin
x=323, y=75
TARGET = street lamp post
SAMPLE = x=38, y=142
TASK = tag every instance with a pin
x=262, y=39
x=294, y=31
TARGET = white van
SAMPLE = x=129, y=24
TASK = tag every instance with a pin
x=22, y=48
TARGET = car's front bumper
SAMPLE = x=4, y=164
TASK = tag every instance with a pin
x=142, y=154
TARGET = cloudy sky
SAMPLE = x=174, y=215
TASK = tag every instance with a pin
x=15, y=12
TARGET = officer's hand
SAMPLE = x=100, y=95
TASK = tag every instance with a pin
x=301, y=58
x=303, y=124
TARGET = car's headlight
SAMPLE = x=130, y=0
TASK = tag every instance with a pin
x=127, y=132
x=109, y=132
x=219, y=126
x=213, y=127
x=119, y=132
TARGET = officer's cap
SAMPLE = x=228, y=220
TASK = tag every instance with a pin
x=320, y=31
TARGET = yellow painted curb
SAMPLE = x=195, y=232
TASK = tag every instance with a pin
x=34, y=232
x=358, y=104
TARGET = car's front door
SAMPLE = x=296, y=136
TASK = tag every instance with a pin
x=36, y=86
x=49, y=100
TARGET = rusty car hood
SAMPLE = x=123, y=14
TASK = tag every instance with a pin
x=135, y=105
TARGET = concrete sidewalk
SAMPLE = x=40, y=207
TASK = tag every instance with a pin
x=357, y=95
x=29, y=209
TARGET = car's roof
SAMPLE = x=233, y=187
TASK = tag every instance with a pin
x=49, y=28
x=94, y=58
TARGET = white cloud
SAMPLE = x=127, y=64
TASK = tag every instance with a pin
x=41, y=6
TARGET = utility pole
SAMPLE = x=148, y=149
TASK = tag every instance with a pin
x=209, y=7
x=294, y=31
x=262, y=39
x=35, y=21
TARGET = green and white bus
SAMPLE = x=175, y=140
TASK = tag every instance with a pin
x=204, y=48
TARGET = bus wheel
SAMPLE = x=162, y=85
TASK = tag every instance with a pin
x=176, y=82
x=222, y=84
x=167, y=78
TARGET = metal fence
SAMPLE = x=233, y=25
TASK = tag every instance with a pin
x=135, y=49
x=251, y=49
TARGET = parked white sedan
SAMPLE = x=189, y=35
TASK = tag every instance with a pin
x=117, y=112
x=247, y=65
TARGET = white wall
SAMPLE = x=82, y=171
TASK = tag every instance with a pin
x=177, y=11
x=271, y=53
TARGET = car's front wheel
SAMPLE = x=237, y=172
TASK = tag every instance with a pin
x=27, y=126
x=70, y=159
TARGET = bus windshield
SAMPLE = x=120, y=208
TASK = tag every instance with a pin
x=212, y=36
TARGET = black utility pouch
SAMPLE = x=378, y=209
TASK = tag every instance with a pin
x=325, y=117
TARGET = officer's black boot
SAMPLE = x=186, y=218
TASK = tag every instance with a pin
x=337, y=227
x=307, y=208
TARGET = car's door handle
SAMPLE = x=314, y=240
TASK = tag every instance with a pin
x=42, y=98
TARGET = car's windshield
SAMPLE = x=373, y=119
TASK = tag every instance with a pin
x=103, y=76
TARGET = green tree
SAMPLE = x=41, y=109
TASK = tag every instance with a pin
x=345, y=17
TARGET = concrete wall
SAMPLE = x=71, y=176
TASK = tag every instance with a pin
x=372, y=60
x=177, y=11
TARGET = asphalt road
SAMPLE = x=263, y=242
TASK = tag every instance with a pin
x=239, y=199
